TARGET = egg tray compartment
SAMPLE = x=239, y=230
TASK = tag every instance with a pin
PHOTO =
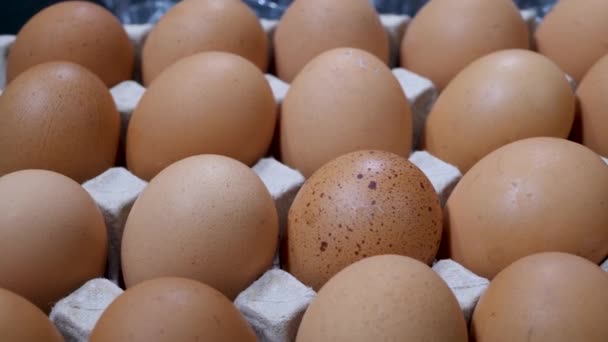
x=275, y=303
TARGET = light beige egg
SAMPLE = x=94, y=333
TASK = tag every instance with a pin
x=572, y=35
x=75, y=31
x=531, y=196
x=544, y=297
x=172, y=309
x=445, y=36
x=53, y=238
x=21, y=320
x=593, y=102
x=58, y=116
x=208, y=103
x=343, y=101
x=208, y=218
x=500, y=98
x=311, y=27
x=384, y=298
x=195, y=26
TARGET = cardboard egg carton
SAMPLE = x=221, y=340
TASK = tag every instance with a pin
x=275, y=303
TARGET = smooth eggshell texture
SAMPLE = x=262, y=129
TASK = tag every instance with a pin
x=21, y=320
x=209, y=218
x=544, y=297
x=531, y=196
x=311, y=27
x=58, y=116
x=503, y=97
x=572, y=35
x=594, y=107
x=360, y=204
x=53, y=237
x=172, y=309
x=446, y=35
x=344, y=100
x=76, y=31
x=195, y=26
x=384, y=298
x=212, y=102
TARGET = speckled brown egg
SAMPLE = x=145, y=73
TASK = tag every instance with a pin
x=53, y=237
x=169, y=310
x=384, y=298
x=345, y=100
x=446, y=35
x=554, y=297
x=212, y=102
x=573, y=35
x=593, y=103
x=61, y=117
x=361, y=204
x=77, y=31
x=195, y=26
x=531, y=196
x=21, y=320
x=311, y=27
x=208, y=218
x=500, y=98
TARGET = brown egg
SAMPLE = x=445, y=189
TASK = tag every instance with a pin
x=214, y=102
x=361, y=204
x=503, y=97
x=21, y=320
x=531, y=196
x=77, y=31
x=171, y=309
x=344, y=100
x=554, y=297
x=53, y=238
x=572, y=35
x=593, y=103
x=311, y=27
x=60, y=117
x=446, y=35
x=384, y=298
x=195, y=26
x=209, y=218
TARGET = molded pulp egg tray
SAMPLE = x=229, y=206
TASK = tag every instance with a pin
x=275, y=303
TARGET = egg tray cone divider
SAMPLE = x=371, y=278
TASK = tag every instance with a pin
x=275, y=303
